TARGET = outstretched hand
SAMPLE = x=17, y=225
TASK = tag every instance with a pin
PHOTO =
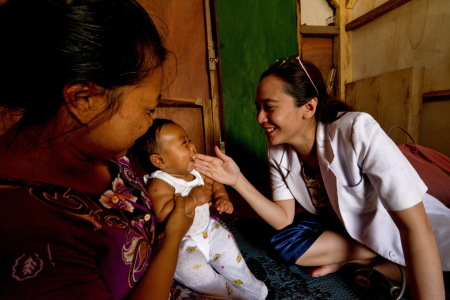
x=222, y=168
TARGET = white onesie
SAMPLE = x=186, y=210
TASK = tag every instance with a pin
x=201, y=219
x=209, y=261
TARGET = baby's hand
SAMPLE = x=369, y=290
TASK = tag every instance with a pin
x=201, y=194
x=224, y=205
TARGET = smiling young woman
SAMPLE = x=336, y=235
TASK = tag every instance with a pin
x=363, y=202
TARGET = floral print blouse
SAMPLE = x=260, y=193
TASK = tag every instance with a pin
x=59, y=243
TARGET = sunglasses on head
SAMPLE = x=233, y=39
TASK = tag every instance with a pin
x=285, y=61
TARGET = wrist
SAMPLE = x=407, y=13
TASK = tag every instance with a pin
x=195, y=200
x=170, y=239
x=221, y=198
x=239, y=178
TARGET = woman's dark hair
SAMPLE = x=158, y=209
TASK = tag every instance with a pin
x=47, y=44
x=304, y=81
x=145, y=146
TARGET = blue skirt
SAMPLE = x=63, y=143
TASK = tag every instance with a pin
x=291, y=242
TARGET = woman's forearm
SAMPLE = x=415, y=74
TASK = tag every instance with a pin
x=223, y=169
x=423, y=265
x=268, y=210
x=424, y=270
x=157, y=280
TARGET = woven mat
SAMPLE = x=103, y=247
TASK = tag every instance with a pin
x=286, y=281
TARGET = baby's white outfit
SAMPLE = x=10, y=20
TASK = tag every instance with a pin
x=209, y=261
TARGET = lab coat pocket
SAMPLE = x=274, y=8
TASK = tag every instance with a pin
x=359, y=198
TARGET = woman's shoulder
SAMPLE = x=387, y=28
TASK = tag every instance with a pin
x=351, y=121
x=354, y=116
x=349, y=125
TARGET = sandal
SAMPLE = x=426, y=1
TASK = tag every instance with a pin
x=370, y=284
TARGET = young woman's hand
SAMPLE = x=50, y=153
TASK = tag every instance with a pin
x=222, y=168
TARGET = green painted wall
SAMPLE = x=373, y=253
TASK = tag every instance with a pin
x=252, y=35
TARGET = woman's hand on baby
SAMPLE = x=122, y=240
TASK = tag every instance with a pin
x=224, y=205
x=222, y=168
x=178, y=221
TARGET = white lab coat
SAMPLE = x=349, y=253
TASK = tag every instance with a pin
x=365, y=174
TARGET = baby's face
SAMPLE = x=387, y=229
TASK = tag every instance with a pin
x=177, y=150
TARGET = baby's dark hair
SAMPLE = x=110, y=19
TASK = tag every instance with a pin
x=146, y=145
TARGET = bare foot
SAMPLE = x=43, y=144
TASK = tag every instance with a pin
x=331, y=268
x=325, y=270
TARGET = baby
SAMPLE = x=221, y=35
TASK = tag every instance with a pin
x=209, y=260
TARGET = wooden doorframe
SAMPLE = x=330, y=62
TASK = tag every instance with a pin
x=191, y=92
x=213, y=60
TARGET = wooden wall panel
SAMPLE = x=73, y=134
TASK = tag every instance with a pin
x=319, y=51
x=435, y=131
x=187, y=39
x=186, y=94
x=413, y=35
x=392, y=99
x=182, y=23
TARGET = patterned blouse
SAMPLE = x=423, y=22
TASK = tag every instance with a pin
x=59, y=243
x=317, y=192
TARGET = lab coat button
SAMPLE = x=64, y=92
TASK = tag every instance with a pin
x=393, y=255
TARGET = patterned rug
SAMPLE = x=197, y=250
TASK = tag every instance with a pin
x=290, y=281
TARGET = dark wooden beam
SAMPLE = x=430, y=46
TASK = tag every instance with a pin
x=436, y=96
x=374, y=14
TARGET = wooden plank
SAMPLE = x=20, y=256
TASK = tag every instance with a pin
x=343, y=53
x=214, y=130
x=436, y=96
x=334, y=3
x=414, y=106
x=184, y=31
x=299, y=26
x=435, y=128
x=374, y=14
x=319, y=51
x=208, y=125
x=308, y=30
x=393, y=98
x=350, y=4
x=188, y=102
